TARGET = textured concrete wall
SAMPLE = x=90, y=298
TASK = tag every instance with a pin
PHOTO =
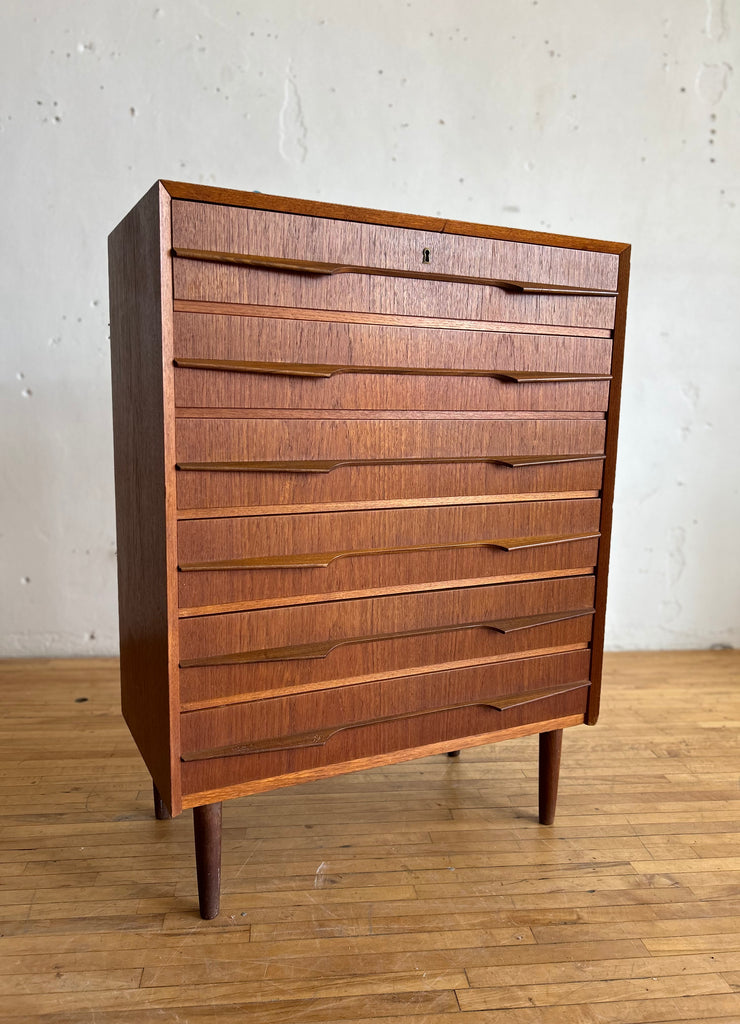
x=615, y=120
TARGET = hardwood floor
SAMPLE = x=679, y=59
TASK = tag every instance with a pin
x=424, y=892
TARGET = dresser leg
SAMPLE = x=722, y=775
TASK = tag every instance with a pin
x=160, y=807
x=207, y=828
x=453, y=753
x=550, y=747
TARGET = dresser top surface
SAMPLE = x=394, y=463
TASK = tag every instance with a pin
x=335, y=211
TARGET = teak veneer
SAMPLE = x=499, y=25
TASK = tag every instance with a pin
x=364, y=475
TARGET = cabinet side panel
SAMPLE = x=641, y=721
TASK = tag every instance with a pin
x=135, y=281
x=607, y=495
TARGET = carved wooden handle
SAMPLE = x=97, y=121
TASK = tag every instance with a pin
x=322, y=648
x=321, y=560
x=328, y=269
x=319, y=737
x=329, y=465
x=325, y=370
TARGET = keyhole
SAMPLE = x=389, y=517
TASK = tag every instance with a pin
x=425, y=255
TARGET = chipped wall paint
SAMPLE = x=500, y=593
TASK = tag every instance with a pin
x=611, y=120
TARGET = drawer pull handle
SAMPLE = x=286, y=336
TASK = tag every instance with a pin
x=318, y=269
x=322, y=648
x=325, y=370
x=321, y=560
x=319, y=737
x=328, y=465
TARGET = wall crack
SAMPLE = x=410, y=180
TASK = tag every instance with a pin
x=292, y=131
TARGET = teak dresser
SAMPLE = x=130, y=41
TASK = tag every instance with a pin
x=364, y=475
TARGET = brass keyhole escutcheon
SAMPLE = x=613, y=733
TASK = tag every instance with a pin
x=425, y=254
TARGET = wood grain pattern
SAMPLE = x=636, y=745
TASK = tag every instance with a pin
x=196, y=281
x=401, y=483
x=325, y=370
x=376, y=718
x=477, y=250
x=403, y=320
x=252, y=560
x=321, y=736
x=292, y=439
x=422, y=618
x=608, y=486
x=323, y=648
x=346, y=886
x=312, y=208
x=302, y=339
x=362, y=763
x=323, y=559
x=212, y=383
x=415, y=652
x=329, y=465
x=275, y=768
x=378, y=459
x=140, y=355
x=304, y=266
x=261, y=727
x=497, y=686
x=255, y=630
x=265, y=543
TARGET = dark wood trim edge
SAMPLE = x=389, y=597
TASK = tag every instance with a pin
x=607, y=495
x=336, y=211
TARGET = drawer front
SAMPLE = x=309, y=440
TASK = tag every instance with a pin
x=281, y=442
x=208, y=383
x=261, y=559
x=263, y=739
x=266, y=233
x=259, y=338
x=282, y=721
x=280, y=350
x=429, y=483
x=304, y=647
x=202, y=281
x=307, y=637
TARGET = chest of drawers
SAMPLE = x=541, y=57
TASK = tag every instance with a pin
x=364, y=474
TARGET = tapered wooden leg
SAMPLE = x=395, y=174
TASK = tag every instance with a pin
x=550, y=747
x=453, y=753
x=207, y=828
x=161, y=813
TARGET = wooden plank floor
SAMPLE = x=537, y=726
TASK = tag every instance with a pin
x=423, y=893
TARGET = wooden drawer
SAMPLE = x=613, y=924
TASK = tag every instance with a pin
x=274, y=444
x=202, y=281
x=365, y=484
x=263, y=739
x=283, y=722
x=221, y=341
x=257, y=362
x=305, y=647
x=202, y=383
x=260, y=338
x=219, y=228
x=278, y=559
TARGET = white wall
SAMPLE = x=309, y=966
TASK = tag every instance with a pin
x=591, y=117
